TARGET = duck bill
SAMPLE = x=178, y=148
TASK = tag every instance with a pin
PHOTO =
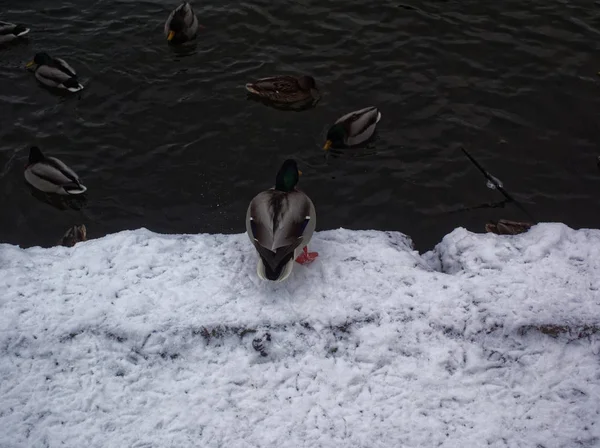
x=30, y=64
x=171, y=36
x=327, y=145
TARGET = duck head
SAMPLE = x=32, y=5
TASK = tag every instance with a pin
x=287, y=176
x=177, y=24
x=40, y=59
x=35, y=155
x=308, y=83
x=335, y=136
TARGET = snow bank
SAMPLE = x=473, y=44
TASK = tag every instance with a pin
x=145, y=340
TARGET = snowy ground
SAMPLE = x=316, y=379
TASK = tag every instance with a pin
x=146, y=340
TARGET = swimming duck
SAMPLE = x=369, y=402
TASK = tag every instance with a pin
x=181, y=25
x=74, y=235
x=50, y=175
x=280, y=223
x=353, y=128
x=11, y=31
x=55, y=72
x=506, y=227
x=285, y=89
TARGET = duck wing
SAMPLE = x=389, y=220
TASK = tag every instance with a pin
x=285, y=84
x=62, y=65
x=56, y=172
x=189, y=19
x=359, y=121
x=278, y=88
x=53, y=74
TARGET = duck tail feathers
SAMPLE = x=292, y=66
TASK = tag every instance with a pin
x=75, y=88
x=20, y=30
x=378, y=116
x=251, y=88
x=79, y=189
x=281, y=273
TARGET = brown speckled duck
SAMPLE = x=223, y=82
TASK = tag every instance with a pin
x=506, y=227
x=74, y=235
x=285, y=89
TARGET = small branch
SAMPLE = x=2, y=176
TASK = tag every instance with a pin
x=498, y=187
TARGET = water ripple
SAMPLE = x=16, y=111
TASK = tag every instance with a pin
x=168, y=140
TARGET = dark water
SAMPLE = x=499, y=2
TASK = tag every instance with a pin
x=170, y=142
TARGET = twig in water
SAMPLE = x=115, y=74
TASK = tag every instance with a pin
x=493, y=180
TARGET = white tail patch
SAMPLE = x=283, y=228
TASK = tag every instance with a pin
x=24, y=32
x=378, y=117
x=251, y=89
x=81, y=189
x=75, y=89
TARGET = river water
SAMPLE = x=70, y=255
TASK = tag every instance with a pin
x=168, y=140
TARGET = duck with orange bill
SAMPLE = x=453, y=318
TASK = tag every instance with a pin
x=51, y=175
x=11, y=31
x=55, y=73
x=280, y=223
x=181, y=25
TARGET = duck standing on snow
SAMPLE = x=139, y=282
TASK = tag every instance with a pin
x=285, y=89
x=181, y=25
x=55, y=72
x=50, y=175
x=353, y=128
x=280, y=223
x=11, y=31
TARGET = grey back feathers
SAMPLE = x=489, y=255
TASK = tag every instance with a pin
x=360, y=125
x=279, y=218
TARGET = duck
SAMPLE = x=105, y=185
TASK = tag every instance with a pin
x=55, y=72
x=285, y=89
x=74, y=235
x=506, y=227
x=50, y=175
x=280, y=223
x=181, y=25
x=353, y=128
x=11, y=31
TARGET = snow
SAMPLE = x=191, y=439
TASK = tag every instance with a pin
x=140, y=339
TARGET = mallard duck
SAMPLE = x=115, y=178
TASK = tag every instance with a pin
x=73, y=236
x=181, y=25
x=50, y=175
x=285, y=89
x=55, y=72
x=353, y=128
x=280, y=223
x=506, y=227
x=11, y=31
